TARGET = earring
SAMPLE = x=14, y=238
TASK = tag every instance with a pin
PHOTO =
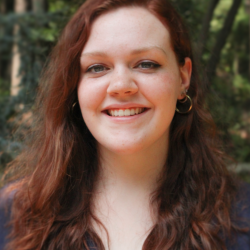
x=184, y=100
x=75, y=110
x=74, y=104
x=73, y=107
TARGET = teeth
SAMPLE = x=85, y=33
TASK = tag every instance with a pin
x=121, y=113
x=126, y=112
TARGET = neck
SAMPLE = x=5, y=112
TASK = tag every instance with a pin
x=132, y=173
x=123, y=192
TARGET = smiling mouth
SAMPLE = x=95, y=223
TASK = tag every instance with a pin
x=125, y=112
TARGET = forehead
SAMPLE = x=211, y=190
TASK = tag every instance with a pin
x=127, y=28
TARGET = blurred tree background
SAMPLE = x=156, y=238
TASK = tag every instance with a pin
x=219, y=30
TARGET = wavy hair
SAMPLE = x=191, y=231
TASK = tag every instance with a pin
x=52, y=207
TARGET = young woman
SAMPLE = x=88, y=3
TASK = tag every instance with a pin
x=123, y=154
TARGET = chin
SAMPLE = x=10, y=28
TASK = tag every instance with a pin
x=123, y=148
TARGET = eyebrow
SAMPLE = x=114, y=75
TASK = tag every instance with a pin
x=145, y=49
x=134, y=52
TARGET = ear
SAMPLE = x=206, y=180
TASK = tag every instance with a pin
x=185, y=73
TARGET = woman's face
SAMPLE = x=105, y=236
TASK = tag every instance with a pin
x=130, y=81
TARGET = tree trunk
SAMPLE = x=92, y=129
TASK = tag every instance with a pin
x=20, y=7
x=2, y=12
x=6, y=6
x=205, y=27
x=221, y=38
x=248, y=12
x=2, y=7
x=38, y=6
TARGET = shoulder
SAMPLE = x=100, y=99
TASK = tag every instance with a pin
x=244, y=193
x=241, y=208
x=241, y=217
x=6, y=199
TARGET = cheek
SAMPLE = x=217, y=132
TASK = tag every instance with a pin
x=163, y=88
x=90, y=96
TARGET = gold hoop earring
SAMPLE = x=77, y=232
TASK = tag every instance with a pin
x=74, y=104
x=186, y=98
x=75, y=110
x=73, y=107
x=183, y=100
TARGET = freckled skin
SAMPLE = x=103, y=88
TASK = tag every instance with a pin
x=118, y=34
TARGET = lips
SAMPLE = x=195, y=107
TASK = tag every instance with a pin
x=125, y=109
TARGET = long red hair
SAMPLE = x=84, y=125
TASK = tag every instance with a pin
x=52, y=207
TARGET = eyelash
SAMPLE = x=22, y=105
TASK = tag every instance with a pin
x=94, y=67
x=152, y=66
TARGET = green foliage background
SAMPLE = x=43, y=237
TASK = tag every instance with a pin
x=229, y=90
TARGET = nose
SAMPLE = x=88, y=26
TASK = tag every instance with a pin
x=122, y=84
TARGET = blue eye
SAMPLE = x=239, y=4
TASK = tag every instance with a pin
x=96, y=68
x=148, y=65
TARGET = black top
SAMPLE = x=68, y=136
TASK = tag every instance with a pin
x=238, y=241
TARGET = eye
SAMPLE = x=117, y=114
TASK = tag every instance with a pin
x=148, y=65
x=97, y=68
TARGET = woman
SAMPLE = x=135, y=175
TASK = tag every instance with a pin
x=123, y=154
